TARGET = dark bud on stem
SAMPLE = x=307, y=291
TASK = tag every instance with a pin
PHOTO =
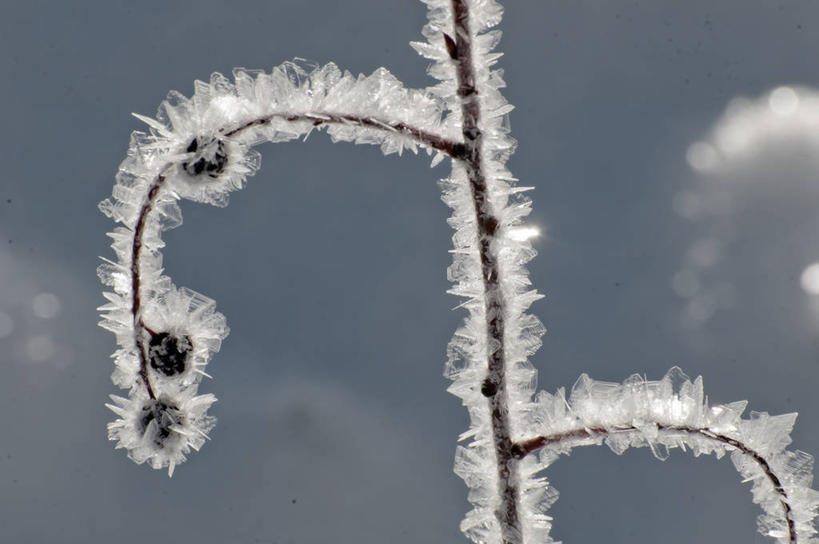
x=471, y=133
x=489, y=388
x=165, y=414
x=489, y=225
x=168, y=354
x=451, y=48
x=209, y=157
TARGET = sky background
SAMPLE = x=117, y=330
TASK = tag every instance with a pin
x=334, y=424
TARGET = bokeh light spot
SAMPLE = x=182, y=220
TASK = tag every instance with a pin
x=783, y=101
x=704, y=253
x=45, y=305
x=810, y=279
x=40, y=348
x=520, y=234
x=702, y=156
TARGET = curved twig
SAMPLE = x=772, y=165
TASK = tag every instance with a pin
x=136, y=299
x=524, y=448
x=453, y=149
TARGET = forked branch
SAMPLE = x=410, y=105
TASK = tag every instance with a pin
x=200, y=148
x=493, y=387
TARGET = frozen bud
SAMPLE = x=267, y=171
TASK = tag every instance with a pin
x=168, y=353
x=158, y=419
x=489, y=388
x=163, y=430
x=208, y=156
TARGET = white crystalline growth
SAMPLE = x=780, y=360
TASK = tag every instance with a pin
x=200, y=148
x=673, y=413
x=506, y=203
x=163, y=430
x=201, y=144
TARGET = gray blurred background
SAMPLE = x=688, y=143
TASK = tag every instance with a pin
x=334, y=423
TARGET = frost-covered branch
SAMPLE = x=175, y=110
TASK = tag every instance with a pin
x=487, y=222
x=452, y=149
x=200, y=148
x=673, y=413
x=213, y=167
x=590, y=436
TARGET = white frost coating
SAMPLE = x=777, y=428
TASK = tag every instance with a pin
x=673, y=413
x=161, y=432
x=199, y=148
x=184, y=314
x=467, y=351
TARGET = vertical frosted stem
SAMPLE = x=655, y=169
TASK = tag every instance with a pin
x=136, y=282
x=494, y=386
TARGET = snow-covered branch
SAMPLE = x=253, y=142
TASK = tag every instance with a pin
x=201, y=148
x=674, y=413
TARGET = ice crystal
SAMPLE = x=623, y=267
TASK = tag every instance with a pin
x=161, y=431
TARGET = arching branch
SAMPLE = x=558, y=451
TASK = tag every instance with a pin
x=673, y=412
x=424, y=138
x=494, y=387
x=581, y=436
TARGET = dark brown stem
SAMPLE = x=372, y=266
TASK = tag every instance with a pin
x=425, y=138
x=522, y=449
x=494, y=386
x=136, y=278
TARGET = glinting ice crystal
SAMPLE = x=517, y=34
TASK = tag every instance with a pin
x=199, y=148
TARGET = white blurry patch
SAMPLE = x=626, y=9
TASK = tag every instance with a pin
x=748, y=126
x=699, y=310
x=755, y=170
x=783, y=101
x=702, y=156
x=704, y=253
x=6, y=325
x=32, y=324
x=39, y=348
x=45, y=305
x=810, y=279
x=520, y=234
